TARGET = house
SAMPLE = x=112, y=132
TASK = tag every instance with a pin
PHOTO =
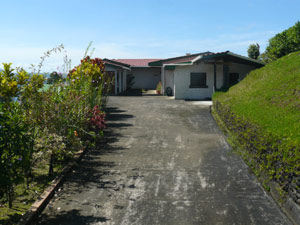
x=198, y=76
x=119, y=72
x=145, y=76
x=193, y=76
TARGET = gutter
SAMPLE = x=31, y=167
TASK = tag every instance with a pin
x=179, y=64
x=197, y=58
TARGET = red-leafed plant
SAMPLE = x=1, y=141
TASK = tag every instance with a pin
x=97, y=118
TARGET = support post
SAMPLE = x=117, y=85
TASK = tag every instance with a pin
x=116, y=82
x=163, y=80
x=215, y=76
x=120, y=81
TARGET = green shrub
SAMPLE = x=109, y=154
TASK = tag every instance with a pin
x=15, y=148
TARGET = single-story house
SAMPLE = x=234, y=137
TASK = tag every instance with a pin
x=145, y=76
x=193, y=76
x=198, y=76
x=119, y=71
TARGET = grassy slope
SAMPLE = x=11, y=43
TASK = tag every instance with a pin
x=270, y=98
x=262, y=117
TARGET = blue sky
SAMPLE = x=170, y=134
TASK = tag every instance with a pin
x=137, y=28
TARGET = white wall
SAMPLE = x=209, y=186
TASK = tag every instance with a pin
x=182, y=80
x=145, y=78
x=169, y=80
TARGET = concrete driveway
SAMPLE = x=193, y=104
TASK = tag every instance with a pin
x=162, y=162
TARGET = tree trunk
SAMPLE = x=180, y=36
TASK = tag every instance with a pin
x=10, y=196
x=27, y=180
x=50, y=173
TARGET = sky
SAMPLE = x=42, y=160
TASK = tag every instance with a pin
x=136, y=28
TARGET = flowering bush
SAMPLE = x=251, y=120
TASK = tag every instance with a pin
x=89, y=68
x=92, y=79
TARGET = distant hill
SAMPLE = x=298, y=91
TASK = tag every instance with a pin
x=262, y=115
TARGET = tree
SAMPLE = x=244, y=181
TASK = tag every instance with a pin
x=253, y=51
x=283, y=43
x=54, y=78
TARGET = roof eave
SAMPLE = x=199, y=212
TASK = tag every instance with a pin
x=245, y=60
x=160, y=62
x=117, y=66
x=116, y=62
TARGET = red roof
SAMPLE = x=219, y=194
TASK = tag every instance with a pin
x=136, y=62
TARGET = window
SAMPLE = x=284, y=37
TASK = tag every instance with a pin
x=198, y=80
x=233, y=79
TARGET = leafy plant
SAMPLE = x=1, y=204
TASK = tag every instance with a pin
x=15, y=146
x=97, y=118
x=159, y=87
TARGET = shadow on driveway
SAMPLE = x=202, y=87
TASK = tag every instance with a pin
x=73, y=217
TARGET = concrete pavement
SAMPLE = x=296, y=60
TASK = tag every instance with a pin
x=162, y=162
